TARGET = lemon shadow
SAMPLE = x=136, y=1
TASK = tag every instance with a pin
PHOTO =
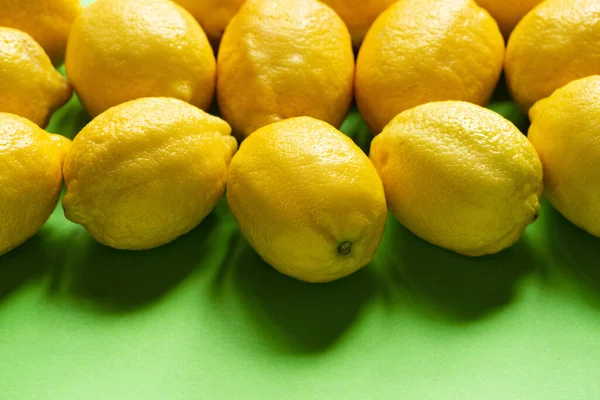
x=502, y=103
x=121, y=281
x=69, y=119
x=290, y=315
x=576, y=252
x=446, y=285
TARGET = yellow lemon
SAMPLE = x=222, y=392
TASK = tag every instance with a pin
x=459, y=176
x=47, y=21
x=358, y=14
x=565, y=130
x=123, y=50
x=29, y=84
x=555, y=43
x=280, y=59
x=419, y=51
x=146, y=172
x=508, y=12
x=30, y=180
x=213, y=15
x=307, y=199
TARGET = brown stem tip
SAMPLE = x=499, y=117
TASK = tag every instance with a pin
x=345, y=248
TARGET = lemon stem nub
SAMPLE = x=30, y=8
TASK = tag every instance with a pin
x=345, y=248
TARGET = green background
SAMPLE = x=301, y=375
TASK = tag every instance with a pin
x=205, y=318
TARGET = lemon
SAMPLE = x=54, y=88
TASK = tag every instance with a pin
x=358, y=14
x=552, y=45
x=146, y=172
x=307, y=199
x=123, y=50
x=47, y=21
x=31, y=179
x=280, y=59
x=213, y=15
x=508, y=12
x=459, y=176
x=565, y=130
x=419, y=51
x=29, y=84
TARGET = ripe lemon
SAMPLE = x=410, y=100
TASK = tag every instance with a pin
x=419, y=51
x=29, y=84
x=213, y=15
x=31, y=179
x=459, y=176
x=146, y=172
x=307, y=199
x=508, y=12
x=280, y=59
x=565, y=130
x=358, y=14
x=123, y=50
x=47, y=21
x=552, y=45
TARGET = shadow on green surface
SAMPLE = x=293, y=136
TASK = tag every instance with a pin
x=69, y=119
x=452, y=286
x=575, y=250
x=117, y=281
x=502, y=103
x=356, y=129
x=292, y=315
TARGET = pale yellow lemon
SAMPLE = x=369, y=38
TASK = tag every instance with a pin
x=358, y=14
x=123, y=50
x=459, y=176
x=213, y=15
x=307, y=199
x=280, y=59
x=418, y=51
x=565, y=130
x=30, y=179
x=508, y=12
x=147, y=171
x=47, y=21
x=29, y=84
x=555, y=43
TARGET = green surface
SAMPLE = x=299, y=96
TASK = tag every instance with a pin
x=205, y=318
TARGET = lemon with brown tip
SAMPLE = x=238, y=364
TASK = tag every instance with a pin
x=31, y=179
x=358, y=15
x=47, y=21
x=418, y=51
x=565, y=130
x=307, y=199
x=124, y=50
x=280, y=59
x=459, y=176
x=147, y=171
x=554, y=44
x=29, y=84
x=213, y=15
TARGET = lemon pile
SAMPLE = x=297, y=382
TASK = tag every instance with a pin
x=152, y=164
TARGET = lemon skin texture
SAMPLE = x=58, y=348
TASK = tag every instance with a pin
x=307, y=199
x=31, y=180
x=281, y=59
x=147, y=171
x=29, y=84
x=213, y=15
x=557, y=42
x=358, y=15
x=508, y=12
x=459, y=176
x=418, y=51
x=124, y=50
x=47, y=21
x=565, y=130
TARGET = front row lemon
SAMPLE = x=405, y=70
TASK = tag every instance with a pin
x=307, y=199
x=459, y=176
x=147, y=171
x=30, y=179
x=565, y=130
